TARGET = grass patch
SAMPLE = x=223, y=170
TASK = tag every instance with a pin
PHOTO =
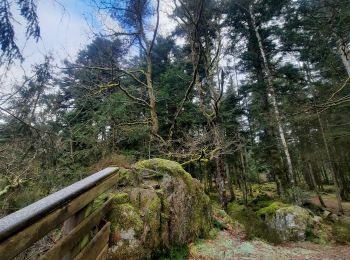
x=341, y=233
x=175, y=253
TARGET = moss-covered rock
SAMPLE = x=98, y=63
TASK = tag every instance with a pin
x=121, y=198
x=158, y=168
x=126, y=230
x=269, y=211
x=160, y=206
x=149, y=205
x=291, y=222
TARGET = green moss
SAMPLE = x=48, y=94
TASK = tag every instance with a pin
x=234, y=208
x=319, y=234
x=269, y=187
x=214, y=197
x=201, y=221
x=165, y=167
x=200, y=225
x=271, y=209
x=121, y=198
x=126, y=177
x=152, y=218
x=124, y=217
x=253, y=225
x=148, y=212
x=341, y=232
x=219, y=224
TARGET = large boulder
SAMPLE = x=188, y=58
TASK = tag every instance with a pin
x=289, y=221
x=157, y=205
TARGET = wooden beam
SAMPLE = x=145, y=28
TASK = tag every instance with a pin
x=22, y=218
x=14, y=245
x=96, y=245
x=67, y=243
x=103, y=254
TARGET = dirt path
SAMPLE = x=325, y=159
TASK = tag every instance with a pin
x=232, y=245
x=331, y=203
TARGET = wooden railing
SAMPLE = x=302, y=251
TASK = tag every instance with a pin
x=69, y=206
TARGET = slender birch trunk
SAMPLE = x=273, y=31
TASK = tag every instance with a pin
x=274, y=101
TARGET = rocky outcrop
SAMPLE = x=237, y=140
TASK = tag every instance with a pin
x=291, y=222
x=156, y=206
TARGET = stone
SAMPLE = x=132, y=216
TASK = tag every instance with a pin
x=316, y=219
x=326, y=214
x=289, y=221
x=158, y=205
x=333, y=217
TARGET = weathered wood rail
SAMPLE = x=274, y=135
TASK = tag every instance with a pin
x=21, y=229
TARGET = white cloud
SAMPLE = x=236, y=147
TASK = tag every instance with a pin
x=108, y=25
x=65, y=29
x=63, y=32
x=167, y=24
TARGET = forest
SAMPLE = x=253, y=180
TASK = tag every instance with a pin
x=251, y=97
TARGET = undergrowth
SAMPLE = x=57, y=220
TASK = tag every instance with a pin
x=175, y=253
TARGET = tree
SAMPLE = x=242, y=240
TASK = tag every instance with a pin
x=319, y=38
x=134, y=16
x=28, y=10
x=274, y=101
x=259, y=59
x=203, y=29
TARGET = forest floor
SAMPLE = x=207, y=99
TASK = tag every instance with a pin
x=232, y=244
x=331, y=202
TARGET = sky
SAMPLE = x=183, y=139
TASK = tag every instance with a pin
x=64, y=30
x=67, y=26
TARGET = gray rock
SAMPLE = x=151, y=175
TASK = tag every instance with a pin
x=290, y=222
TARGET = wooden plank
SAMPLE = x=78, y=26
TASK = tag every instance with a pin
x=103, y=254
x=20, y=219
x=68, y=226
x=96, y=245
x=26, y=237
x=67, y=243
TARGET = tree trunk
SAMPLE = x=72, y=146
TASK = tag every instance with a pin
x=244, y=187
x=113, y=137
x=274, y=105
x=152, y=98
x=331, y=168
x=220, y=179
x=230, y=182
x=315, y=185
x=325, y=174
